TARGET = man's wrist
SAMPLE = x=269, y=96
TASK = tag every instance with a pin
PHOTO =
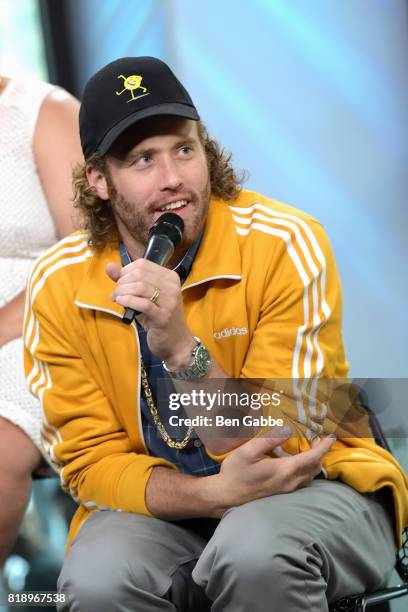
x=171, y=495
x=199, y=365
x=181, y=359
x=213, y=492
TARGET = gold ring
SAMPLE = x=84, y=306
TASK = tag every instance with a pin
x=155, y=295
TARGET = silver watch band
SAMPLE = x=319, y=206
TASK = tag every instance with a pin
x=199, y=367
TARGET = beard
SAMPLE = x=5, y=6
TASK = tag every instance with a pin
x=137, y=222
x=127, y=215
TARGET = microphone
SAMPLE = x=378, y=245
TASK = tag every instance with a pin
x=164, y=235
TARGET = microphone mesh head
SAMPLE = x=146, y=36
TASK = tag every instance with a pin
x=170, y=225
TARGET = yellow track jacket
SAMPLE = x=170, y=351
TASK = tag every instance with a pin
x=264, y=269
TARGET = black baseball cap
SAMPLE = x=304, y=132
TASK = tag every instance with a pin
x=125, y=91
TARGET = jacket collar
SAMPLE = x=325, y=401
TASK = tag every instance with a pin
x=218, y=257
x=96, y=286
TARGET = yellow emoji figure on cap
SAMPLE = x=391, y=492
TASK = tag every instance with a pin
x=131, y=83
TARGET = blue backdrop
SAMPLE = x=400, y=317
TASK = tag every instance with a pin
x=312, y=98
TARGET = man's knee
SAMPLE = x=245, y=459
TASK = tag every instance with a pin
x=247, y=559
x=256, y=555
x=98, y=588
x=104, y=571
x=253, y=561
x=109, y=583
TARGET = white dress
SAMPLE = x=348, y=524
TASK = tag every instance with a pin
x=26, y=229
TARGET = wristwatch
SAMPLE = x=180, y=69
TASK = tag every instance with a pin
x=200, y=364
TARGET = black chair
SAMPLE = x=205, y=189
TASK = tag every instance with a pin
x=378, y=601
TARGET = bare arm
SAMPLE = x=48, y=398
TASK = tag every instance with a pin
x=248, y=473
x=56, y=150
x=11, y=319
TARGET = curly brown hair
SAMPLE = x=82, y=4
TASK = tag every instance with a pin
x=97, y=215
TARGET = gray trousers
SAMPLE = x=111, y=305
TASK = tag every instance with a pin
x=291, y=552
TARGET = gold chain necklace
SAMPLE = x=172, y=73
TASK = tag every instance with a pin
x=154, y=412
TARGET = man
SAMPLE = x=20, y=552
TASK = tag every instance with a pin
x=251, y=292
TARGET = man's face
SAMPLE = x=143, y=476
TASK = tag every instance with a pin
x=158, y=166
